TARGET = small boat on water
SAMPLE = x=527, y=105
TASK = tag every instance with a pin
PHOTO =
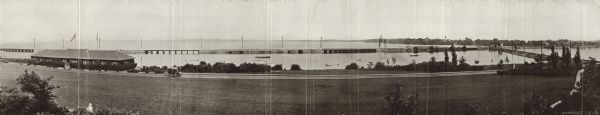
x=414, y=55
x=262, y=57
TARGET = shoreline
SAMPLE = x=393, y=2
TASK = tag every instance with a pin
x=300, y=74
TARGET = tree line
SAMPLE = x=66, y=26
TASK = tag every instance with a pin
x=220, y=67
x=454, y=64
x=492, y=42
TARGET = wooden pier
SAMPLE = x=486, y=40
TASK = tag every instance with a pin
x=530, y=55
x=17, y=50
x=521, y=53
x=419, y=49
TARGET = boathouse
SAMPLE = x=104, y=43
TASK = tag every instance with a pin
x=83, y=56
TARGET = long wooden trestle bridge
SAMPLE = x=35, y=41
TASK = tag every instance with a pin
x=531, y=55
x=420, y=49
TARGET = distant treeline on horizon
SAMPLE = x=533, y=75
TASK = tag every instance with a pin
x=495, y=42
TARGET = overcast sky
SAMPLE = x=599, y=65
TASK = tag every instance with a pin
x=54, y=20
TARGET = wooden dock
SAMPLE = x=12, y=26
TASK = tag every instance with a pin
x=521, y=53
x=530, y=55
x=17, y=50
x=420, y=49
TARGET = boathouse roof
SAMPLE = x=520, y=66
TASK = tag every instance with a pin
x=83, y=54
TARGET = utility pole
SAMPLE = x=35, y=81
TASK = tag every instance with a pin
x=242, y=42
x=281, y=42
x=63, y=43
x=141, y=48
x=201, y=37
x=321, y=43
x=97, y=41
x=380, y=38
x=33, y=44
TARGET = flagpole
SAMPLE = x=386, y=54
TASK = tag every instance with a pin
x=97, y=41
x=242, y=42
x=321, y=43
x=33, y=44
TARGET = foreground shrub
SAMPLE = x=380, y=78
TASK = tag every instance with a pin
x=220, y=67
x=225, y=68
x=536, y=104
x=590, y=86
x=102, y=110
x=295, y=67
x=431, y=66
x=153, y=69
x=252, y=67
x=380, y=66
x=352, y=66
x=277, y=67
x=203, y=67
x=35, y=96
x=399, y=103
x=584, y=98
x=133, y=71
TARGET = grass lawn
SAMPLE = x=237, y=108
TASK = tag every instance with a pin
x=159, y=95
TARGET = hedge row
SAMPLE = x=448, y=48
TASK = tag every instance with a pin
x=219, y=67
x=424, y=66
x=89, y=66
x=99, y=67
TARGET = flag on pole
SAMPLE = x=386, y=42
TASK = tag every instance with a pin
x=74, y=36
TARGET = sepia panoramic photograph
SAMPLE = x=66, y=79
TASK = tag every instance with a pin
x=299, y=57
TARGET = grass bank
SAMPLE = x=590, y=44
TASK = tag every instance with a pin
x=162, y=95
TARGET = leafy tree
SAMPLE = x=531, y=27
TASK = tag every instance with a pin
x=295, y=67
x=454, y=56
x=462, y=60
x=432, y=60
x=446, y=58
x=41, y=101
x=415, y=50
x=401, y=104
x=577, y=59
x=277, y=67
x=554, y=59
x=432, y=49
x=352, y=66
x=500, y=64
x=536, y=104
x=590, y=85
x=379, y=66
x=12, y=101
x=566, y=57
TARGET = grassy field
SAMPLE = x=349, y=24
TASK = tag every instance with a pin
x=158, y=95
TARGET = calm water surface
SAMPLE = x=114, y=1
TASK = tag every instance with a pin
x=306, y=61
